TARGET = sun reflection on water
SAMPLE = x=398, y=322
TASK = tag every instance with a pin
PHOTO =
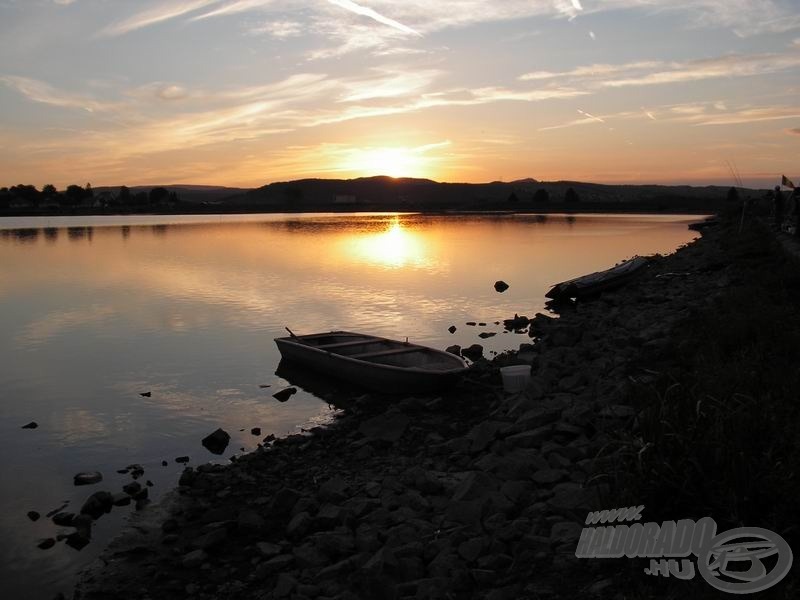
x=395, y=247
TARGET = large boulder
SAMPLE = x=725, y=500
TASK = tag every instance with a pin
x=217, y=442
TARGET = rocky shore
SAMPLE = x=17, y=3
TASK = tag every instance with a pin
x=471, y=494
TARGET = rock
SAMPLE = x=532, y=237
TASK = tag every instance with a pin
x=121, y=499
x=256, y=431
x=299, y=525
x=452, y=329
x=267, y=549
x=146, y=394
x=212, y=539
x=486, y=334
x=182, y=459
x=465, y=512
x=97, y=504
x=217, y=441
x=518, y=322
x=46, y=543
x=284, y=586
x=132, y=488
x=285, y=394
x=194, y=559
x=565, y=532
x=483, y=434
x=534, y=437
x=454, y=349
x=250, y=521
x=548, y=476
x=472, y=549
x=334, y=490
x=78, y=540
x=31, y=425
x=33, y=515
x=388, y=427
x=476, y=485
x=500, y=286
x=471, y=323
x=474, y=352
x=164, y=463
x=278, y=564
x=285, y=500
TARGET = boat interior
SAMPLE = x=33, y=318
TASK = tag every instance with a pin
x=379, y=351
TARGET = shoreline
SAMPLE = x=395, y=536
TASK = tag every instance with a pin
x=475, y=493
x=215, y=210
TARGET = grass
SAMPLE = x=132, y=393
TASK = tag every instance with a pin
x=718, y=434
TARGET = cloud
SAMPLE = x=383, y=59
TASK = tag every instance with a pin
x=162, y=11
x=41, y=92
x=368, y=12
x=230, y=8
x=279, y=29
x=644, y=73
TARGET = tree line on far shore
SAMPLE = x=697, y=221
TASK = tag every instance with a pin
x=76, y=196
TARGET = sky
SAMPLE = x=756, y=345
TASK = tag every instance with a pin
x=246, y=92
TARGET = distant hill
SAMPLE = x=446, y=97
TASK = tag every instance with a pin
x=419, y=194
x=196, y=194
x=375, y=193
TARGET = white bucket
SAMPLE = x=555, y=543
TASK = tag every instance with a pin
x=516, y=378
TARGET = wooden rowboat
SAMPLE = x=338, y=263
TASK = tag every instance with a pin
x=376, y=363
x=594, y=283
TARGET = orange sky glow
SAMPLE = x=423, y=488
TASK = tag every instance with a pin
x=246, y=92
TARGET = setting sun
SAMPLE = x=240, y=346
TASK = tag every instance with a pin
x=394, y=161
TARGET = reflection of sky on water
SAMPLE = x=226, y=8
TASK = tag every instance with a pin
x=94, y=311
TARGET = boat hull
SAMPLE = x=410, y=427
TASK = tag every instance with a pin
x=595, y=283
x=417, y=368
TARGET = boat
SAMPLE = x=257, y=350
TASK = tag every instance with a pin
x=594, y=283
x=376, y=363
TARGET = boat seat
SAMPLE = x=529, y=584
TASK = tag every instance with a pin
x=345, y=344
x=386, y=352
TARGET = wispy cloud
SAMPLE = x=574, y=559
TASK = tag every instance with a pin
x=643, y=73
x=372, y=14
x=39, y=91
x=162, y=11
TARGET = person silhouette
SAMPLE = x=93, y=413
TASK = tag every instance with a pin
x=778, y=199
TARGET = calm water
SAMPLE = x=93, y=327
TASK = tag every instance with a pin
x=95, y=310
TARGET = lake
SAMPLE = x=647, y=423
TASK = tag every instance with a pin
x=95, y=311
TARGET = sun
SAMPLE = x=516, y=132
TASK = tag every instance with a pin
x=394, y=162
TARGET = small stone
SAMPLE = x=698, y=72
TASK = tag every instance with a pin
x=452, y=329
x=217, y=441
x=31, y=425
x=256, y=431
x=285, y=394
x=132, y=488
x=474, y=352
x=46, y=543
x=33, y=515
x=77, y=540
x=121, y=499
x=164, y=463
x=98, y=504
x=146, y=394
x=267, y=549
x=500, y=286
x=486, y=334
x=194, y=559
x=182, y=459
x=386, y=427
x=299, y=525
